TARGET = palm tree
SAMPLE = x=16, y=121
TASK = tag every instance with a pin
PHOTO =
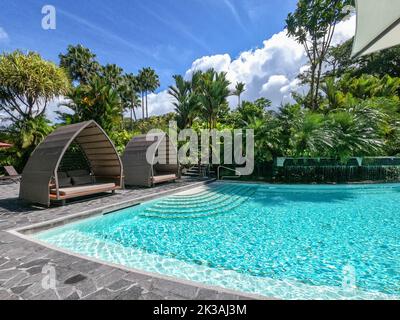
x=98, y=101
x=310, y=136
x=267, y=133
x=135, y=104
x=149, y=82
x=186, y=102
x=213, y=92
x=332, y=93
x=129, y=95
x=239, y=89
x=356, y=131
x=140, y=84
x=80, y=63
x=113, y=75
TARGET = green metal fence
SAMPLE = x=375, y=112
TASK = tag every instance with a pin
x=325, y=170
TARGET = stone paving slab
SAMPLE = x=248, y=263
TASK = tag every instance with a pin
x=22, y=261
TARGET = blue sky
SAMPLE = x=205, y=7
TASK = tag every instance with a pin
x=167, y=35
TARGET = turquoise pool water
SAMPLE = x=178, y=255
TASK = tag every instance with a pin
x=290, y=242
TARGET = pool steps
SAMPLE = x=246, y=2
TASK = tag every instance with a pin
x=230, y=198
x=209, y=191
x=211, y=198
x=200, y=199
x=219, y=201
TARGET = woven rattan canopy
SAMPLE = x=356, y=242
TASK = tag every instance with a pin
x=148, y=156
x=42, y=167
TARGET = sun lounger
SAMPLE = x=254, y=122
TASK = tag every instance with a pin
x=140, y=165
x=11, y=174
x=42, y=179
x=81, y=191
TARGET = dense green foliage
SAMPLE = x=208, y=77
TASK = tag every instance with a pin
x=97, y=100
x=27, y=84
x=313, y=25
x=386, y=62
x=80, y=63
x=25, y=136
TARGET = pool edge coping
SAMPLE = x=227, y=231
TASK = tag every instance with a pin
x=26, y=233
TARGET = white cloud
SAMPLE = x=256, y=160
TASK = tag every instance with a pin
x=3, y=35
x=56, y=105
x=275, y=81
x=344, y=31
x=160, y=103
x=220, y=62
x=269, y=71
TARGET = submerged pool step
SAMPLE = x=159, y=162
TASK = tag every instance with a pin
x=207, y=197
x=186, y=205
x=188, y=209
x=207, y=213
x=201, y=196
x=224, y=206
x=209, y=192
x=215, y=196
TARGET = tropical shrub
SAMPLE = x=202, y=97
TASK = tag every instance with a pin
x=27, y=85
x=25, y=137
x=121, y=139
x=97, y=101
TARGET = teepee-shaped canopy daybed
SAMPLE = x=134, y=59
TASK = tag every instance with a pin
x=42, y=181
x=149, y=160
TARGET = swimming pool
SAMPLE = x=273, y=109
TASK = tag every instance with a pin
x=289, y=242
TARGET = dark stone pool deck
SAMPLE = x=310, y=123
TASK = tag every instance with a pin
x=22, y=262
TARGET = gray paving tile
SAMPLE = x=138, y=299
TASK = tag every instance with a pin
x=75, y=279
x=86, y=287
x=109, y=278
x=102, y=294
x=73, y=296
x=20, y=289
x=119, y=285
x=178, y=289
x=133, y=293
x=46, y=295
x=35, y=263
x=206, y=294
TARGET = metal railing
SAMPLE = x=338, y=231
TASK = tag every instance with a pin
x=237, y=176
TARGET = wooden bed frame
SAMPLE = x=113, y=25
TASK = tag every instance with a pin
x=64, y=198
x=96, y=190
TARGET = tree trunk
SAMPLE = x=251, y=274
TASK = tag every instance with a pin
x=133, y=108
x=312, y=53
x=134, y=113
x=317, y=85
x=142, y=105
x=147, y=107
x=132, y=119
x=312, y=86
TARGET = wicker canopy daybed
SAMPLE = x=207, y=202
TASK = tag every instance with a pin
x=149, y=160
x=43, y=182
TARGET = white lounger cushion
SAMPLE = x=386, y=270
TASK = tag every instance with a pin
x=164, y=178
x=93, y=188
